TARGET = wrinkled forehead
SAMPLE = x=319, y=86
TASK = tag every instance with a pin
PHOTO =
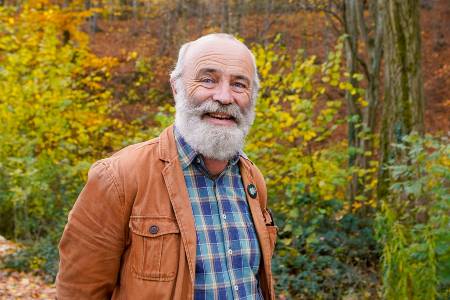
x=222, y=53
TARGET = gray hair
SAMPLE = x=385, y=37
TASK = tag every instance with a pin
x=177, y=72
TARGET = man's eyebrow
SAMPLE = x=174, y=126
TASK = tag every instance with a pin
x=206, y=71
x=242, y=77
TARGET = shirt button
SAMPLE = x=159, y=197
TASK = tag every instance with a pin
x=236, y=287
x=230, y=251
x=224, y=216
x=198, y=160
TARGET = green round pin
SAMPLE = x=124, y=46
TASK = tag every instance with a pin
x=251, y=189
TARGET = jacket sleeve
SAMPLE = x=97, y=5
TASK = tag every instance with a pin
x=93, y=240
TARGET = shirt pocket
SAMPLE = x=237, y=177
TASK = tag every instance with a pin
x=155, y=247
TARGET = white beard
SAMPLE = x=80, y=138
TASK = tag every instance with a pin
x=210, y=140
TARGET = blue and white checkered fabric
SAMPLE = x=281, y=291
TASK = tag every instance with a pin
x=228, y=253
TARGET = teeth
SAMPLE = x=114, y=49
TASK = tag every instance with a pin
x=220, y=116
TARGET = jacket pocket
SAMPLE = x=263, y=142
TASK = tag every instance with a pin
x=155, y=247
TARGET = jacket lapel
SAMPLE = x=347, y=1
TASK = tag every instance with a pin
x=258, y=218
x=179, y=197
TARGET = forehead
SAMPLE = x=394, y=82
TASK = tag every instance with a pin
x=224, y=55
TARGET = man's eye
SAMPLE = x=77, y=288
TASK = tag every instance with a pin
x=240, y=85
x=207, y=80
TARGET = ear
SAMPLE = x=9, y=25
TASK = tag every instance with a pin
x=172, y=85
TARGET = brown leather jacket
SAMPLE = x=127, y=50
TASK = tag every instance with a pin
x=131, y=234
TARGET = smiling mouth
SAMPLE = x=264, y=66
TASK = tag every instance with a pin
x=220, y=116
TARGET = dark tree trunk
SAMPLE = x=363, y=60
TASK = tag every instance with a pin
x=147, y=10
x=225, y=25
x=93, y=26
x=363, y=24
x=403, y=108
x=237, y=15
x=353, y=111
x=267, y=24
x=200, y=13
x=135, y=9
x=375, y=51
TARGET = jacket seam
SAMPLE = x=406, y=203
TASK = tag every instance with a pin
x=121, y=198
x=118, y=155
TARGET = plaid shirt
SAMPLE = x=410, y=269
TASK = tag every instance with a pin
x=228, y=253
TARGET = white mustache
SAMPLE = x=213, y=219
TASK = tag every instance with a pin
x=211, y=106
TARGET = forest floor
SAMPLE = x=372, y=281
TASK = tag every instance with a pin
x=21, y=285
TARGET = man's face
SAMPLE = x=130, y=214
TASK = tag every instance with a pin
x=213, y=97
x=219, y=70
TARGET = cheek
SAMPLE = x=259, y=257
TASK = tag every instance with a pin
x=243, y=99
x=197, y=92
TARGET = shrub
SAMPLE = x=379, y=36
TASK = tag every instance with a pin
x=55, y=114
x=413, y=224
x=324, y=253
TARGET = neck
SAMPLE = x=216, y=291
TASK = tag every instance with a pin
x=214, y=166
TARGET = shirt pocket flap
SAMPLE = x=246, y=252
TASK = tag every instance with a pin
x=153, y=226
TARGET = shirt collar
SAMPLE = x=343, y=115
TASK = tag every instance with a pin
x=187, y=154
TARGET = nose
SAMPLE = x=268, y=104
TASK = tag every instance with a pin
x=223, y=94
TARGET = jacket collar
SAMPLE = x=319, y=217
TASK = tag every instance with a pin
x=167, y=147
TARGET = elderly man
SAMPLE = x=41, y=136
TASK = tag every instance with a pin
x=182, y=216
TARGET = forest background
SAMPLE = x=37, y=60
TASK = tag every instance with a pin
x=351, y=130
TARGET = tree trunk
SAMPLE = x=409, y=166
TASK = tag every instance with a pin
x=237, y=16
x=363, y=24
x=403, y=108
x=93, y=26
x=166, y=30
x=267, y=24
x=375, y=51
x=225, y=26
x=353, y=111
x=148, y=5
x=135, y=4
x=200, y=16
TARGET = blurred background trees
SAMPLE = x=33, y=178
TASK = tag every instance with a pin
x=356, y=161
